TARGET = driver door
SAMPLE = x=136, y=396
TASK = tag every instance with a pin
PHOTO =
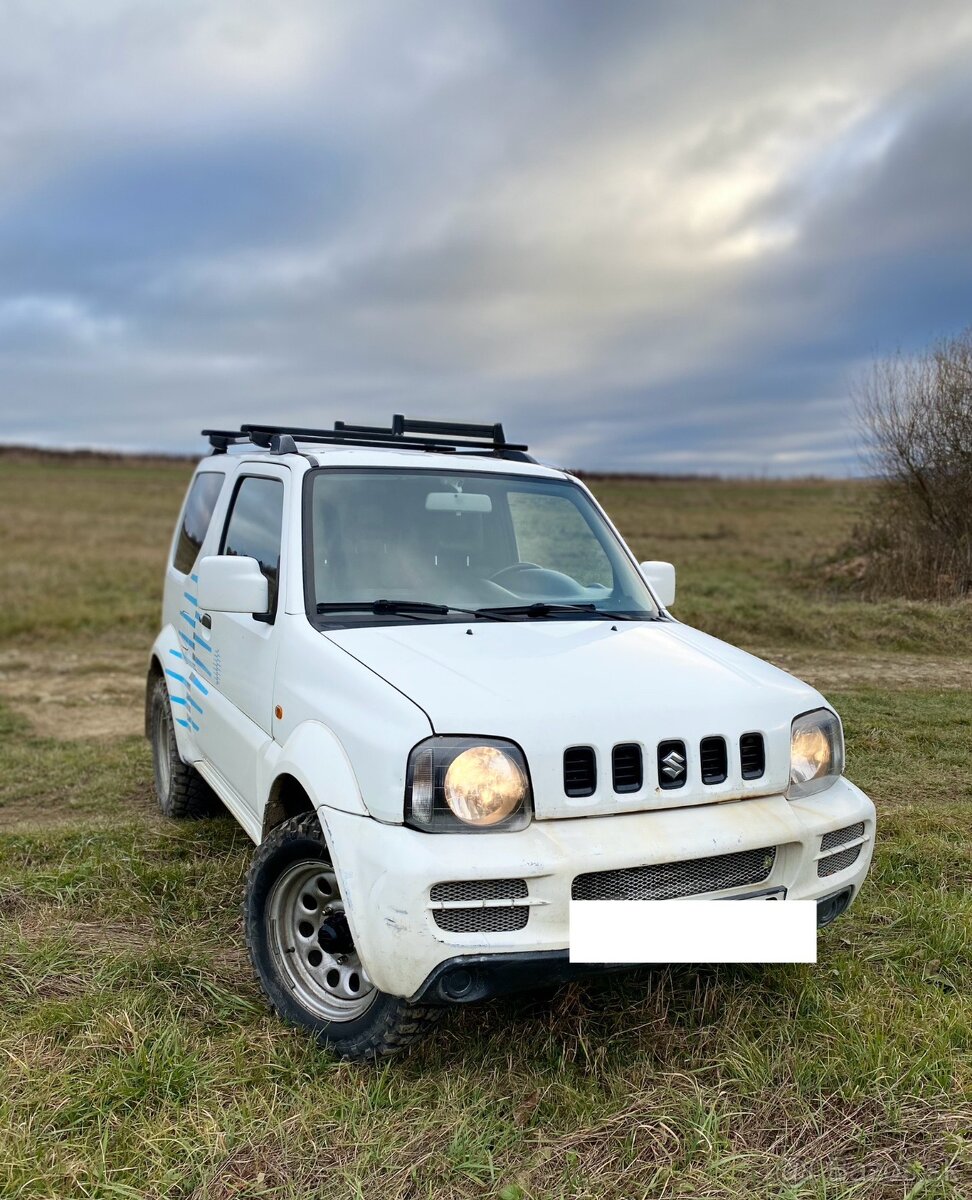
x=238, y=651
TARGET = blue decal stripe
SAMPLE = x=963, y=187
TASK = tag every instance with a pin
x=173, y=675
x=199, y=642
x=190, y=597
x=202, y=666
x=194, y=682
x=176, y=653
x=178, y=699
x=194, y=578
x=185, y=616
x=184, y=724
x=197, y=707
x=194, y=725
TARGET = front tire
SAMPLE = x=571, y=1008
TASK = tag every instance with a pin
x=180, y=789
x=303, y=954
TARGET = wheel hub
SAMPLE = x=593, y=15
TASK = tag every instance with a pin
x=334, y=934
x=312, y=944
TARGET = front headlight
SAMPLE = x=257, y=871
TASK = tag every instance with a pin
x=816, y=753
x=467, y=784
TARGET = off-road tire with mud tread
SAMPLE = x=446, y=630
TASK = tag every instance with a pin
x=187, y=796
x=388, y=1026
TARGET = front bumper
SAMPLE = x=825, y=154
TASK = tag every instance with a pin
x=471, y=977
x=387, y=872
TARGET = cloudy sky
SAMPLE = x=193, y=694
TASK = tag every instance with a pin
x=646, y=236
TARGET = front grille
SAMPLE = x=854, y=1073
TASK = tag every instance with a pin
x=481, y=920
x=627, y=767
x=672, y=764
x=477, y=919
x=840, y=837
x=580, y=771
x=838, y=862
x=669, y=881
x=752, y=755
x=714, y=760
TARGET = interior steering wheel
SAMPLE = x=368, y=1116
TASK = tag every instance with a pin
x=516, y=568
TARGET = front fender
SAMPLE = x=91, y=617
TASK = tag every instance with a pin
x=314, y=756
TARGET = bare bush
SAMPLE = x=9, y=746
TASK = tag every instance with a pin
x=916, y=417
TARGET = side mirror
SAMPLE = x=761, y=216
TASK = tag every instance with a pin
x=231, y=583
x=661, y=577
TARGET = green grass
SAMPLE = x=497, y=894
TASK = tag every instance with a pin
x=751, y=559
x=137, y=1060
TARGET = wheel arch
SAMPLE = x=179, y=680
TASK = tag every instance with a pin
x=288, y=798
x=155, y=673
x=314, y=761
x=165, y=654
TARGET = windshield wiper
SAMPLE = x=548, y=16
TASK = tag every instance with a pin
x=544, y=609
x=406, y=608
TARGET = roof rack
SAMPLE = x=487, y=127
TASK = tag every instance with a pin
x=403, y=434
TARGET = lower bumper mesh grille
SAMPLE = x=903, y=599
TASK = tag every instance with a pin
x=480, y=889
x=481, y=920
x=841, y=860
x=481, y=905
x=840, y=837
x=838, y=862
x=670, y=881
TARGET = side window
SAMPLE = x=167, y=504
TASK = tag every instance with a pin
x=551, y=532
x=196, y=517
x=253, y=528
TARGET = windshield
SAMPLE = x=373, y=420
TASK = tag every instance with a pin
x=466, y=542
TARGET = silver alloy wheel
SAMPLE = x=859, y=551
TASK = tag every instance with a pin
x=333, y=986
x=162, y=749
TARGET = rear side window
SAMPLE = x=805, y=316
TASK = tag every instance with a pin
x=196, y=517
x=253, y=528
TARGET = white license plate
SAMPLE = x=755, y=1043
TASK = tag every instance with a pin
x=693, y=931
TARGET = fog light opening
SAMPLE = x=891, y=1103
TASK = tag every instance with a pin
x=831, y=907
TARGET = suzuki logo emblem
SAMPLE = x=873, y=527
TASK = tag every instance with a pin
x=673, y=764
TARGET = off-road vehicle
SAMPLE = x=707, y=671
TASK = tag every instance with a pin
x=435, y=687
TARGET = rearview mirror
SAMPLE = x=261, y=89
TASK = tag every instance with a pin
x=232, y=583
x=459, y=502
x=661, y=579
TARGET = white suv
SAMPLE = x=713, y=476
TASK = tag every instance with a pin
x=434, y=686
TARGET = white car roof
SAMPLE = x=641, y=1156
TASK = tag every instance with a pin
x=315, y=455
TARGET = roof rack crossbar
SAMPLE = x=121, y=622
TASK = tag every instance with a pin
x=260, y=435
x=404, y=434
x=402, y=425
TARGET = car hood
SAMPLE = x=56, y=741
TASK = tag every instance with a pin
x=551, y=684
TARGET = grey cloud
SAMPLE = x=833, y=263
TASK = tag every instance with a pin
x=646, y=236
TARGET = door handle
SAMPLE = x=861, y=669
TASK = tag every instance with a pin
x=207, y=621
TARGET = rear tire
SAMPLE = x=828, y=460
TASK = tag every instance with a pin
x=181, y=791
x=304, y=957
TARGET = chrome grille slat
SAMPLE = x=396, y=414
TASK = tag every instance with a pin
x=670, y=881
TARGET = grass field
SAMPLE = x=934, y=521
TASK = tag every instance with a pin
x=136, y=1058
